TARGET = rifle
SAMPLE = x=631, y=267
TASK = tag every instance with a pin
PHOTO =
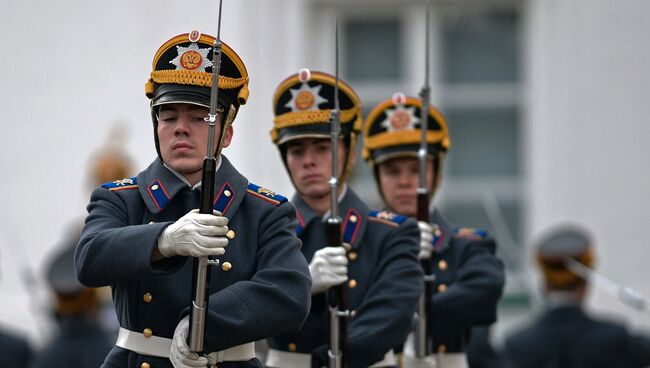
x=338, y=353
x=201, y=272
x=422, y=341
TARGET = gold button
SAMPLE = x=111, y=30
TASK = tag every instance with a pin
x=353, y=218
x=230, y=234
x=442, y=348
x=147, y=332
x=442, y=288
x=442, y=265
x=154, y=187
x=352, y=284
x=145, y=365
x=227, y=193
x=292, y=347
x=147, y=297
x=352, y=256
x=226, y=266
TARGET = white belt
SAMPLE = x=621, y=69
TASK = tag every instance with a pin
x=451, y=360
x=285, y=359
x=160, y=347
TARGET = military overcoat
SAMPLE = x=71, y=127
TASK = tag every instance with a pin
x=260, y=288
x=385, y=281
x=468, y=281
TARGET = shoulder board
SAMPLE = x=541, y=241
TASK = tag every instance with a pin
x=470, y=233
x=122, y=184
x=387, y=217
x=265, y=194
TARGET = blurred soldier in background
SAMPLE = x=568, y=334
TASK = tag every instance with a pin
x=467, y=277
x=379, y=267
x=564, y=336
x=81, y=342
x=143, y=233
x=85, y=329
x=14, y=350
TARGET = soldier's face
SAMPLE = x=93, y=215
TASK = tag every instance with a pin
x=310, y=164
x=183, y=137
x=398, y=181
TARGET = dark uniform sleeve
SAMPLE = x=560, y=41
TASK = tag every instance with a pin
x=472, y=298
x=106, y=255
x=276, y=299
x=637, y=351
x=384, y=318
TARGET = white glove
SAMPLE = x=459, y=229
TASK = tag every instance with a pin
x=426, y=238
x=328, y=267
x=196, y=235
x=180, y=354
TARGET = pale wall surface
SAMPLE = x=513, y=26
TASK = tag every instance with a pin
x=587, y=131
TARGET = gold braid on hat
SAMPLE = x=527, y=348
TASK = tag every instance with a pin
x=557, y=274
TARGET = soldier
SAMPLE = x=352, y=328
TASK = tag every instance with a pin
x=142, y=232
x=564, y=335
x=81, y=341
x=379, y=268
x=467, y=277
x=15, y=350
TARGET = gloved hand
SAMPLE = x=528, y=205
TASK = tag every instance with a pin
x=196, y=235
x=180, y=354
x=426, y=238
x=328, y=267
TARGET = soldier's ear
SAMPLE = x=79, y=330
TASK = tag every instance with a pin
x=228, y=138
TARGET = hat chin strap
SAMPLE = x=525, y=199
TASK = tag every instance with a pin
x=224, y=128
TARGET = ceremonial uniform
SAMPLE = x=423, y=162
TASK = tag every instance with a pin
x=15, y=351
x=142, y=233
x=81, y=340
x=259, y=288
x=379, y=271
x=467, y=284
x=382, y=289
x=564, y=336
x=466, y=277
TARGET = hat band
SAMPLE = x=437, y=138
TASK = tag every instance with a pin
x=405, y=137
x=310, y=117
x=201, y=79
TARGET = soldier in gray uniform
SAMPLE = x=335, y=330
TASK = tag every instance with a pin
x=142, y=232
x=379, y=267
x=81, y=341
x=467, y=277
x=564, y=336
x=15, y=350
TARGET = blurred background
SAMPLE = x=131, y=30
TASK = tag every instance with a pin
x=547, y=103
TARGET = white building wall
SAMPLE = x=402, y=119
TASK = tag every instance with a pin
x=587, y=131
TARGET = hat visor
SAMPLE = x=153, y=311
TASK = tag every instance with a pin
x=316, y=130
x=178, y=93
x=382, y=155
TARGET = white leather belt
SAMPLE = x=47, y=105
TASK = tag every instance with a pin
x=160, y=347
x=284, y=359
x=451, y=360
